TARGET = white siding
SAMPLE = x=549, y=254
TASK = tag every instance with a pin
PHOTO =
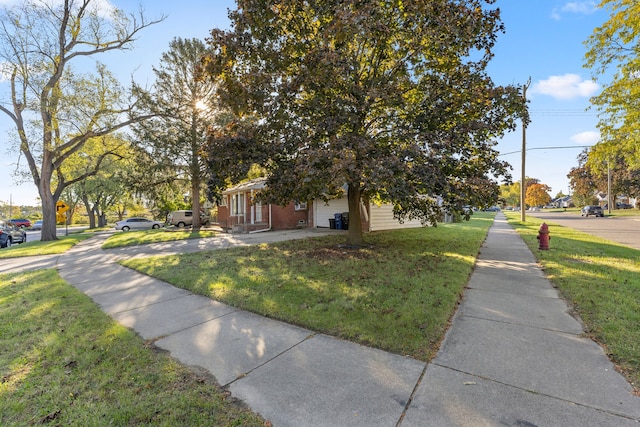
x=323, y=212
x=381, y=218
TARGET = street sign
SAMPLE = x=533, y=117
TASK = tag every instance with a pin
x=60, y=217
x=61, y=207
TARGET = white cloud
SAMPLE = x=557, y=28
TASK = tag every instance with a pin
x=586, y=138
x=580, y=7
x=567, y=86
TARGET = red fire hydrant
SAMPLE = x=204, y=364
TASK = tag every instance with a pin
x=543, y=236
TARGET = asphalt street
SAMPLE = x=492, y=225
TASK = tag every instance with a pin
x=620, y=229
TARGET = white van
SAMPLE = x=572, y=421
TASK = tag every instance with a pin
x=185, y=218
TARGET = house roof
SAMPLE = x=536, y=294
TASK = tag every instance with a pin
x=254, y=184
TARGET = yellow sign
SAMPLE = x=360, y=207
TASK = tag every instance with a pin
x=61, y=207
x=61, y=217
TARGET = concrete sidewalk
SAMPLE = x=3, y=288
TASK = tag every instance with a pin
x=513, y=355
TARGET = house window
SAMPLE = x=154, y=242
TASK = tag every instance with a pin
x=222, y=201
x=300, y=206
x=237, y=204
x=258, y=207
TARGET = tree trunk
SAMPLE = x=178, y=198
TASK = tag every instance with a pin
x=102, y=219
x=354, y=236
x=195, y=203
x=194, y=169
x=49, y=201
x=48, y=216
x=92, y=218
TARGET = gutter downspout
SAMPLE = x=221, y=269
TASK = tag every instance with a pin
x=253, y=208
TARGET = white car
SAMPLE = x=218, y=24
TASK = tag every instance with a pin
x=138, y=224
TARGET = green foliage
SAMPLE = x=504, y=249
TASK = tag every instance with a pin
x=106, y=187
x=185, y=106
x=55, y=111
x=595, y=167
x=390, y=99
x=613, y=48
x=510, y=193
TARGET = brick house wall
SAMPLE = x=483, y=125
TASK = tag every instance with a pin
x=238, y=212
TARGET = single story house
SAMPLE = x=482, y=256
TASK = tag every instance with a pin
x=239, y=212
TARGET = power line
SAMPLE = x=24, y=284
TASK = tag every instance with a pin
x=562, y=113
x=547, y=148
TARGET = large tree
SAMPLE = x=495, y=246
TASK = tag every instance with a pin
x=538, y=195
x=385, y=100
x=54, y=108
x=510, y=193
x=584, y=184
x=108, y=189
x=613, y=50
x=185, y=106
x=600, y=171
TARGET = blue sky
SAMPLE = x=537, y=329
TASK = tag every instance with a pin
x=543, y=40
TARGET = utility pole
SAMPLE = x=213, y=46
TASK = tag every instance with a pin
x=524, y=152
x=609, y=187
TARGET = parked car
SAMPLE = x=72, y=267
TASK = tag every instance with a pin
x=37, y=225
x=592, y=210
x=185, y=218
x=10, y=234
x=619, y=206
x=137, y=224
x=21, y=222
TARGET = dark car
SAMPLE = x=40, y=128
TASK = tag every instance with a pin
x=10, y=234
x=592, y=210
x=21, y=222
x=624, y=206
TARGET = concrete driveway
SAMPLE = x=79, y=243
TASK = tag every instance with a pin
x=624, y=230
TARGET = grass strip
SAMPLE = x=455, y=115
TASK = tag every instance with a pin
x=64, y=362
x=133, y=238
x=54, y=247
x=398, y=294
x=600, y=279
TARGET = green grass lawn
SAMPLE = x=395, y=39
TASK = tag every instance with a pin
x=119, y=239
x=132, y=238
x=398, y=294
x=54, y=247
x=64, y=362
x=601, y=280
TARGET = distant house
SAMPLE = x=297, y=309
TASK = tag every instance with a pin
x=562, y=202
x=240, y=212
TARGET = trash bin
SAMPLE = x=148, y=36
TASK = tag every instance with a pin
x=332, y=223
x=345, y=220
x=338, y=220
